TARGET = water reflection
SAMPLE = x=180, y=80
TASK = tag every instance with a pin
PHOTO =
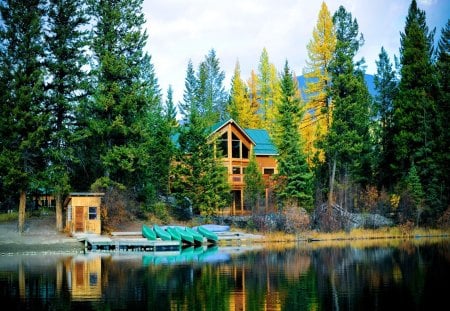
x=394, y=275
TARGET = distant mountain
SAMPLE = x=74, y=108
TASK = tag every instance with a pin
x=368, y=78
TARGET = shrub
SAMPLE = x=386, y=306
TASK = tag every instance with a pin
x=295, y=219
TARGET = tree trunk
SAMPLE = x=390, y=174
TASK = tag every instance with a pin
x=330, y=192
x=59, y=218
x=22, y=206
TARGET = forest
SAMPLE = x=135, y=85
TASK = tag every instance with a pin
x=82, y=110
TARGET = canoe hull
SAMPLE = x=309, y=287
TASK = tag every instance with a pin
x=161, y=233
x=209, y=235
x=148, y=233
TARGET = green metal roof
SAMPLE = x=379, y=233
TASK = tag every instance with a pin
x=263, y=143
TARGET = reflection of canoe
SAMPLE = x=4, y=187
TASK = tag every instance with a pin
x=209, y=235
x=198, y=238
x=148, y=233
x=161, y=233
x=175, y=235
x=186, y=237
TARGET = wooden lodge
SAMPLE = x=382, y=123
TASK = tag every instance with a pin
x=83, y=212
x=236, y=145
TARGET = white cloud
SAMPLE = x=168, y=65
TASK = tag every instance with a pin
x=180, y=30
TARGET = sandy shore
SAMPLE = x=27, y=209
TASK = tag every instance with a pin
x=40, y=235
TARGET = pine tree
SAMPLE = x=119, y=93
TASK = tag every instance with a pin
x=124, y=96
x=23, y=118
x=415, y=116
x=294, y=177
x=318, y=114
x=66, y=87
x=347, y=142
x=386, y=84
x=240, y=107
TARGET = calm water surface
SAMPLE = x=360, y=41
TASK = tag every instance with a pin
x=389, y=275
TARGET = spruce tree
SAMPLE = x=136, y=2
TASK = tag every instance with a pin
x=66, y=88
x=347, y=142
x=386, y=84
x=124, y=95
x=23, y=117
x=254, y=183
x=294, y=177
x=211, y=95
x=443, y=108
x=415, y=111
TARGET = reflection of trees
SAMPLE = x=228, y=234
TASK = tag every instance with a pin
x=324, y=278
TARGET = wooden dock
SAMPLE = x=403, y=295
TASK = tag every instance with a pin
x=103, y=243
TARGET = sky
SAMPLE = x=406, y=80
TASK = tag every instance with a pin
x=239, y=30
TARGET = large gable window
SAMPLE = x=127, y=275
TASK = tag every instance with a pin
x=238, y=149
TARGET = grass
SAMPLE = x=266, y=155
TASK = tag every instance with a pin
x=6, y=217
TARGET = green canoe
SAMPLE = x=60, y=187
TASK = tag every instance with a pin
x=209, y=235
x=148, y=233
x=161, y=233
x=174, y=233
x=198, y=238
x=186, y=237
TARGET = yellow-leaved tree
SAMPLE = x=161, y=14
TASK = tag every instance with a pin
x=269, y=92
x=318, y=114
x=241, y=107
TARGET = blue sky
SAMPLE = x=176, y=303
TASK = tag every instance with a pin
x=238, y=30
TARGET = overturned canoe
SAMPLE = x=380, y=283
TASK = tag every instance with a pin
x=186, y=237
x=174, y=233
x=198, y=238
x=209, y=235
x=148, y=233
x=161, y=233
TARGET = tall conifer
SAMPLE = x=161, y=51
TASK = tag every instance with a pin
x=23, y=117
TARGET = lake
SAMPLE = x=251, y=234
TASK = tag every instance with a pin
x=362, y=275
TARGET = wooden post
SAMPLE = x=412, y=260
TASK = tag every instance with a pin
x=59, y=220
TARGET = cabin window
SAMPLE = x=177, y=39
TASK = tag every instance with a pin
x=244, y=152
x=223, y=145
x=92, y=213
x=268, y=171
x=236, y=170
x=236, y=147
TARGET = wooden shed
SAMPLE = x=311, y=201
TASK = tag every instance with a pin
x=83, y=212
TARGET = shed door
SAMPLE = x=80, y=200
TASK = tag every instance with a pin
x=79, y=219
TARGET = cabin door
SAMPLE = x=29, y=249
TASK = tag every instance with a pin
x=79, y=219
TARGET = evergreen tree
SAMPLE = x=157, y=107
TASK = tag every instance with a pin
x=415, y=109
x=170, y=111
x=443, y=78
x=124, y=96
x=318, y=114
x=211, y=92
x=66, y=87
x=199, y=176
x=386, y=84
x=347, y=143
x=254, y=183
x=23, y=118
x=294, y=176
x=240, y=107
x=190, y=100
